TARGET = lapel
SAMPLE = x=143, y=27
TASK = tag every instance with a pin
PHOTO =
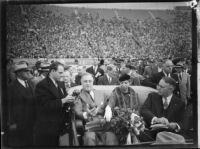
x=106, y=79
x=21, y=88
x=53, y=88
x=172, y=107
x=85, y=96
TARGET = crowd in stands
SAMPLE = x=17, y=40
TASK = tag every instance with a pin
x=36, y=33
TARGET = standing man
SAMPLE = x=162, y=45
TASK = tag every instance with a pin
x=183, y=79
x=90, y=106
x=163, y=108
x=21, y=108
x=130, y=70
x=108, y=78
x=95, y=70
x=154, y=80
x=51, y=100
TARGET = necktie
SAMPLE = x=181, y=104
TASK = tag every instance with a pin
x=165, y=104
x=26, y=84
x=59, y=91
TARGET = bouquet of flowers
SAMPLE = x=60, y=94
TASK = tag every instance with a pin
x=126, y=124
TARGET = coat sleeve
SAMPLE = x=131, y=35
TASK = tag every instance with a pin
x=44, y=99
x=78, y=108
x=145, y=110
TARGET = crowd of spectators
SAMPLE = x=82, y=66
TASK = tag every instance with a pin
x=38, y=33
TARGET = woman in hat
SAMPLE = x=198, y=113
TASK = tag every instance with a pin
x=122, y=96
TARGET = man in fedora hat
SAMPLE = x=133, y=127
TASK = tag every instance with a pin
x=183, y=82
x=21, y=108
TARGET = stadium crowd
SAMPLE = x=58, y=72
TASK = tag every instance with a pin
x=33, y=33
x=152, y=53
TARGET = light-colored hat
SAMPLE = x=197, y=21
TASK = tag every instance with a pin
x=165, y=137
x=21, y=66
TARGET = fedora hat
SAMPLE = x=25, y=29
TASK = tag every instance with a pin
x=165, y=137
x=179, y=65
x=44, y=66
x=20, y=66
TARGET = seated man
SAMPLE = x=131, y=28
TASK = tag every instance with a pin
x=90, y=105
x=162, y=108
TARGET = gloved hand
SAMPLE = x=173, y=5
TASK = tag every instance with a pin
x=108, y=114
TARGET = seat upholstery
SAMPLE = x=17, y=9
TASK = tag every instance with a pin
x=142, y=91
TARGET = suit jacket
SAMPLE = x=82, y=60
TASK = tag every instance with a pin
x=51, y=114
x=78, y=80
x=155, y=79
x=153, y=106
x=103, y=80
x=150, y=70
x=183, y=85
x=91, y=71
x=100, y=100
x=22, y=112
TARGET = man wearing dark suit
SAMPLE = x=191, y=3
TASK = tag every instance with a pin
x=95, y=70
x=90, y=106
x=108, y=78
x=21, y=108
x=163, y=108
x=154, y=80
x=51, y=103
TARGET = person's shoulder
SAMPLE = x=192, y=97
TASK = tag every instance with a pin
x=177, y=99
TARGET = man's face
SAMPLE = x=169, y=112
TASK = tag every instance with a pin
x=167, y=67
x=164, y=89
x=95, y=61
x=124, y=85
x=124, y=69
x=87, y=82
x=66, y=77
x=57, y=74
x=26, y=74
x=178, y=70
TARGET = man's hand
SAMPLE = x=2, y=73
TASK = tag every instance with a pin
x=108, y=114
x=172, y=126
x=68, y=99
x=161, y=120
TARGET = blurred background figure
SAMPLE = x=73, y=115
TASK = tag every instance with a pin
x=21, y=108
x=67, y=79
x=108, y=78
x=80, y=71
x=95, y=70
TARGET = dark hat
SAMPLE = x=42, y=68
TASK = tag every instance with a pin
x=44, y=66
x=124, y=77
x=165, y=137
x=130, y=66
x=179, y=65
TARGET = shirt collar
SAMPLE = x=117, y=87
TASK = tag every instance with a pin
x=168, y=98
x=22, y=82
x=166, y=74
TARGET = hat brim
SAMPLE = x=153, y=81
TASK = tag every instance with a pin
x=23, y=69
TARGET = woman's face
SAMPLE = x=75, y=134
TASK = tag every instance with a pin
x=124, y=85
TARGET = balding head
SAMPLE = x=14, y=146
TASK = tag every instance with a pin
x=167, y=66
